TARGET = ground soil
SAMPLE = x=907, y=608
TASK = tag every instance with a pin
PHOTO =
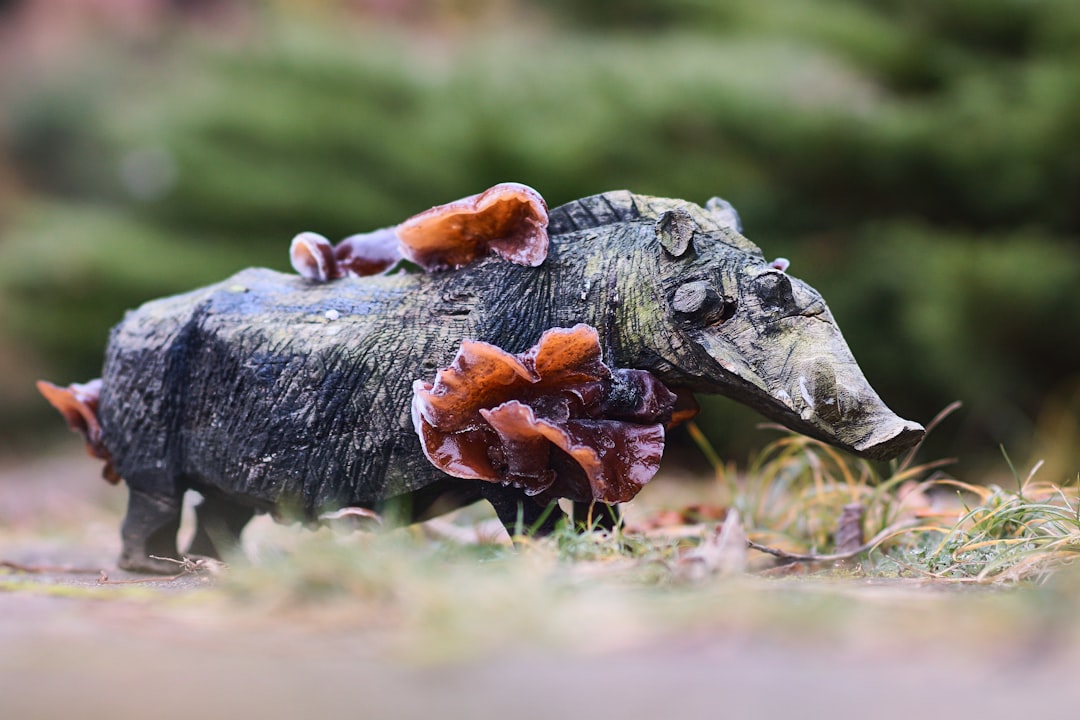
x=72, y=648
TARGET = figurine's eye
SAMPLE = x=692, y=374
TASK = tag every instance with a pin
x=773, y=290
x=700, y=302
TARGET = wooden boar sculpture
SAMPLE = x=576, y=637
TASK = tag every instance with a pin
x=535, y=358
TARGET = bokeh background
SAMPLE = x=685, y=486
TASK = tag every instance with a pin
x=918, y=160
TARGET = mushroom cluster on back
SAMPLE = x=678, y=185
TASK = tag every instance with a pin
x=508, y=220
x=554, y=421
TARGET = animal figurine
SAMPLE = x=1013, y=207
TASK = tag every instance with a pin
x=536, y=356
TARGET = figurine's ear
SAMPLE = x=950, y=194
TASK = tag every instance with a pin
x=724, y=213
x=675, y=230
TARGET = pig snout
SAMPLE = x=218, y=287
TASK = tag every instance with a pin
x=838, y=400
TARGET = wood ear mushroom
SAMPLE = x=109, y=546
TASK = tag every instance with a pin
x=78, y=404
x=552, y=420
x=508, y=220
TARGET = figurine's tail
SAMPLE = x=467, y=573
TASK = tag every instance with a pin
x=78, y=403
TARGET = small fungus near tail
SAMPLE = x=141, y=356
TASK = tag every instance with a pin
x=553, y=420
x=78, y=404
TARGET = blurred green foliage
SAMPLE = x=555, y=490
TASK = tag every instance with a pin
x=919, y=161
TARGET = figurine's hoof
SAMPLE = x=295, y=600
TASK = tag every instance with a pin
x=150, y=565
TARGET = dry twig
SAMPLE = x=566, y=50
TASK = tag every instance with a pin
x=833, y=557
x=188, y=566
x=47, y=569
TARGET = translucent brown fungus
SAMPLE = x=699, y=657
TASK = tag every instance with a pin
x=78, y=405
x=686, y=407
x=509, y=220
x=555, y=420
x=312, y=256
x=368, y=253
x=371, y=253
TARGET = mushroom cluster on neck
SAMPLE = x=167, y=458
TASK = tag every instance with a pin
x=554, y=420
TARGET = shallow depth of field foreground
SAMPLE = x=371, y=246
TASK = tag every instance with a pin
x=943, y=598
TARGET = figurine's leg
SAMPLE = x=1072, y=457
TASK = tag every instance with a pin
x=519, y=513
x=150, y=530
x=596, y=516
x=431, y=501
x=219, y=522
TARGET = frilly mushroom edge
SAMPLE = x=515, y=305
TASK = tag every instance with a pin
x=554, y=421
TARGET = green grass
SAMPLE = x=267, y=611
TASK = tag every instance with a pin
x=920, y=521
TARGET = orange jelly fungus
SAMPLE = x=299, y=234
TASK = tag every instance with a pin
x=509, y=220
x=554, y=421
x=78, y=405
